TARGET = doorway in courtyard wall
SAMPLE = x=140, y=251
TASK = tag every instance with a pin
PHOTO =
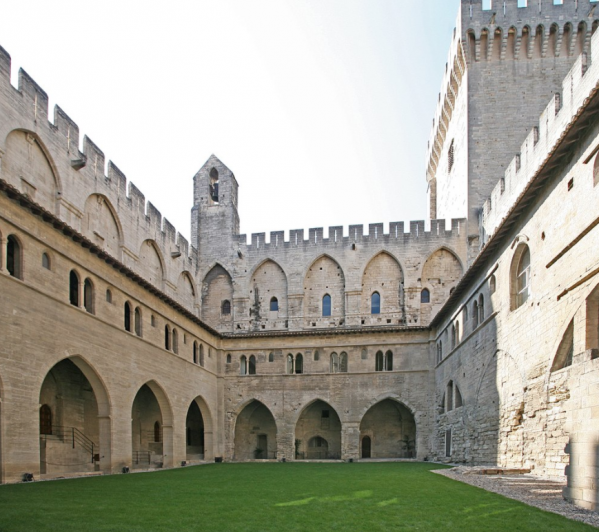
x=388, y=430
x=71, y=437
x=198, y=431
x=147, y=430
x=255, y=433
x=318, y=433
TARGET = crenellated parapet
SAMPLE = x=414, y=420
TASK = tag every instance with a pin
x=544, y=139
x=44, y=160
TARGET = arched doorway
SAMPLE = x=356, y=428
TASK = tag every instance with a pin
x=388, y=430
x=255, y=433
x=74, y=427
x=150, y=431
x=198, y=427
x=318, y=433
x=366, y=444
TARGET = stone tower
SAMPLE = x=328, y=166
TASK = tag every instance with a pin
x=507, y=59
x=214, y=216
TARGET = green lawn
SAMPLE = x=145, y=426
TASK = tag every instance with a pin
x=262, y=497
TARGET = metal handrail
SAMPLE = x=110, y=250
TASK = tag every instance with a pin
x=75, y=437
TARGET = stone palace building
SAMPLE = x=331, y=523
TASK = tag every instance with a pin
x=472, y=338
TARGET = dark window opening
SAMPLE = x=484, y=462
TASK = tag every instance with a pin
x=138, y=321
x=73, y=288
x=45, y=261
x=425, y=296
x=299, y=363
x=88, y=296
x=375, y=303
x=214, y=185
x=127, y=317
x=226, y=307
x=13, y=257
x=252, y=365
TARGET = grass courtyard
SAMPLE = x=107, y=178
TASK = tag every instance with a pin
x=264, y=497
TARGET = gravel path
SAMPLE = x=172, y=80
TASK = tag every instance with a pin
x=534, y=491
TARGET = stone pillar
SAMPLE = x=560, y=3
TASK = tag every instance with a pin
x=167, y=446
x=350, y=441
x=105, y=450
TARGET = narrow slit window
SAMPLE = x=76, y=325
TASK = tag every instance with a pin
x=326, y=305
x=375, y=303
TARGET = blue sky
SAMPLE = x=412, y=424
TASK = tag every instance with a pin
x=322, y=108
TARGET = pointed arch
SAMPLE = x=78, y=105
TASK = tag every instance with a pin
x=391, y=427
x=324, y=276
x=102, y=225
x=512, y=36
x=28, y=166
x=268, y=280
x=199, y=430
x=151, y=263
x=251, y=443
x=383, y=275
x=318, y=419
x=440, y=273
x=217, y=287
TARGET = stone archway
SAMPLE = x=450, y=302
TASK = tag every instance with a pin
x=318, y=433
x=198, y=431
x=255, y=433
x=74, y=420
x=151, y=428
x=388, y=430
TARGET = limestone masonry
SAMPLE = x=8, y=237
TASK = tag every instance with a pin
x=471, y=340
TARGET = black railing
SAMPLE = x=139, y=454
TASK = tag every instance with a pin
x=75, y=438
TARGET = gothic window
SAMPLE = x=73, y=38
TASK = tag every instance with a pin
x=74, y=288
x=252, y=365
x=474, y=314
x=388, y=361
x=226, y=307
x=195, y=352
x=46, y=261
x=334, y=363
x=449, y=397
x=380, y=361
x=299, y=363
x=375, y=303
x=214, y=185
x=316, y=356
x=127, y=316
x=520, y=276
x=167, y=337
x=290, y=364
x=243, y=365
x=45, y=420
x=425, y=296
x=343, y=362
x=138, y=322
x=439, y=351
x=228, y=359
x=13, y=257
x=202, y=355
x=274, y=304
x=458, y=338
x=108, y=296
x=453, y=336
x=271, y=357
x=88, y=296
x=157, y=432
x=175, y=341
x=326, y=305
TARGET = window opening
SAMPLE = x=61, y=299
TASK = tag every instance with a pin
x=226, y=307
x=127, y=312
x=375, y=303
x=475, y=314
x=228, y=359
x=343, y=362
x=481, y=308
x=45, y=261
x=326, y=305
x=565, y=351
x=380, y=361
x=74, y=288
x=334, y=363
x=214, y=185
x=290, y=364
x=202, y=355
x=252, y=365
x=13, y=257
x=157, y=432
x=175, y=341
x=388, y=361
x=167, y=338
x=108, y=296
x=425, y=296
x=271, y=357
x=195, y=352
x=316, y=356
x=274, y=304
x=137, y=321
x=88, y=296
x=243, y=365
x=45, y=420
x=299, y=363
x=523, y=278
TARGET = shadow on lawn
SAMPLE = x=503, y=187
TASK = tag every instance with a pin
x=336, y=498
